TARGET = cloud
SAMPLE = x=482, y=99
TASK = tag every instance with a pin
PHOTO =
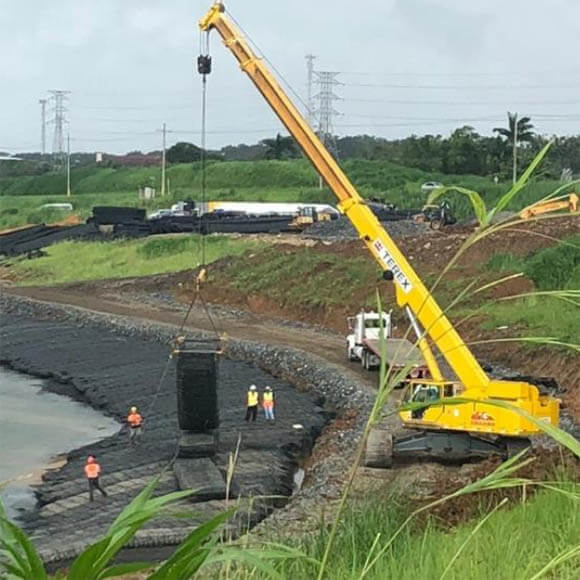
x=131, y=65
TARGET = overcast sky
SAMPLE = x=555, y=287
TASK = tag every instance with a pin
x=406, y=66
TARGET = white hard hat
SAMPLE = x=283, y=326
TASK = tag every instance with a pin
x=252, y=387
x=268, y=388
x=133, y=409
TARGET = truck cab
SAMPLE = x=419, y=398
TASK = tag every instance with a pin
x=365, y=327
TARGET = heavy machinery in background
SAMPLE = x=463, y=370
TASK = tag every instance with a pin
x=436, y=215
x=363, y=343
x=455, y=430
x=308, y=215
x=567, y=202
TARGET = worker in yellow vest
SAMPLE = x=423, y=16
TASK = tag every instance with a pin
x=268, y=403
x=252, y=400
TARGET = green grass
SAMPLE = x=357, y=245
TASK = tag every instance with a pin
x=293, y=180
x=302, y=279
x=506, y=263
x=555, y=268
x=77, y=261
x=513, y=544
x=535, y=316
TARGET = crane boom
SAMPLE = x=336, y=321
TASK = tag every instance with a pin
x=410, y=290
x=471, y=424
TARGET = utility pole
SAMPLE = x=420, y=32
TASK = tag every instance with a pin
x=58, y=154
x=515, y=152
x=68, y=164
x=310, y=78
x=42, y=125
x=163, y=160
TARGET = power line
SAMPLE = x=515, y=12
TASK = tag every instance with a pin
x=461, y=103
x=462, y=87
x=512, y=74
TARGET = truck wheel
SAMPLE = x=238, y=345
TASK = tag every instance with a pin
x=367, y=362
x=436, y=224
x=379, y=449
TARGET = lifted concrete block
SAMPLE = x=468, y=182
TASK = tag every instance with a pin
x=202, y=476
x=196, y=376
x=193, y=445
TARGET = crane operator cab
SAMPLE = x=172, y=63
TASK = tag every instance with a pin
x=426, y=391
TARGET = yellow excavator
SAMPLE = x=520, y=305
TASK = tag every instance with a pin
x=454, y=431
x=568, y=202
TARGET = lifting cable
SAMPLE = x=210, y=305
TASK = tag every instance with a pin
x=204, y=68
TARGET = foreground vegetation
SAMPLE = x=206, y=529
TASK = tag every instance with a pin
x=501, y=545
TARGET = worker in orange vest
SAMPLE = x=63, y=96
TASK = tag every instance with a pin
x=268, y=403
x=135, y=422
x=93, y=471
x=252, y=400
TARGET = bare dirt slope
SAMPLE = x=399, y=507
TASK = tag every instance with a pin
x=155, y=298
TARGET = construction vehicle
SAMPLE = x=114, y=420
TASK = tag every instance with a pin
x=457, y=430
x=308, y=215
x=568, y=202
x=363, y=344
x=436, y=215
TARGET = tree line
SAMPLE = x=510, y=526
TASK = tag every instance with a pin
x=465, y=151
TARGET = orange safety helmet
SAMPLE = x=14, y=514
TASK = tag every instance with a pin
x=90, y=459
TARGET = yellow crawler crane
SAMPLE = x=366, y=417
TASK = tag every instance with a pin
x=474, y=429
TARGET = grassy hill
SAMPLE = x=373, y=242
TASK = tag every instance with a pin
x=293, y=180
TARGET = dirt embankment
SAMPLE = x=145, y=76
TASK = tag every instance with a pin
x=154, y=298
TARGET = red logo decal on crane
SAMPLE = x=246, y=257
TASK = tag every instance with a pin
x=482, y=418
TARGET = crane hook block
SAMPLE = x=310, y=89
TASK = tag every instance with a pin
x=204, y=64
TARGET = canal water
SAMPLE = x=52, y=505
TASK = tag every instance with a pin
x=36, y=427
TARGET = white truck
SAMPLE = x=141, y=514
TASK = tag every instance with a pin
x=363, y=344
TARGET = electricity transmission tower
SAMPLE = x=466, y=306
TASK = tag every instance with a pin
x=327, y=81
x=310, y=78
x=42, y=125
x=58, y=99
